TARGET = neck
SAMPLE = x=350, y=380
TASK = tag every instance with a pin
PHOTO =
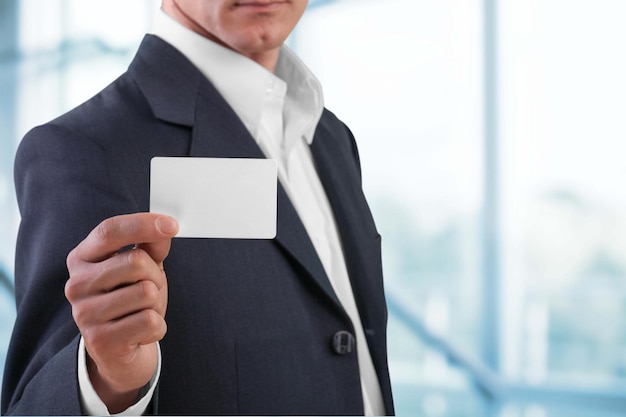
x=266, y=59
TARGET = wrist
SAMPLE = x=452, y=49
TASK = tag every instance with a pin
x=115, y=400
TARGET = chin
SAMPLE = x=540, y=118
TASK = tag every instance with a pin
x=259, y=43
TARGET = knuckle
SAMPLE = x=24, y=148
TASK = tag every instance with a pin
x=105, y=230
x=161, y=331
x=151, y=319
x=82, y=315
x=70, y=290
x=71, y=259
x=149, y=291
x=158, y=329
x=79, y=316
x=78, y=285
x=136, y=259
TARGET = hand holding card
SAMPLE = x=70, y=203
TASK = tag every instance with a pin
x=216, y=197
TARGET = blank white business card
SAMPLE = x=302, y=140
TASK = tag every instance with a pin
x=216, y=197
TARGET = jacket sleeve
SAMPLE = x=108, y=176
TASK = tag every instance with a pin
x=63, y=190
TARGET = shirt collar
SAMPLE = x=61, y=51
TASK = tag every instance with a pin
x=243, y=83
x=304, y=95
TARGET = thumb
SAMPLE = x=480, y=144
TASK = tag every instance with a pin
x=159, y=250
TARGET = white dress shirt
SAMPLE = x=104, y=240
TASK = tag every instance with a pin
x=281, y=111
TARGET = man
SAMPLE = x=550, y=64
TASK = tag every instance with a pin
x=294, y=325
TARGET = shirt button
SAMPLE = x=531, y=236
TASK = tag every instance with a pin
x=343, y=342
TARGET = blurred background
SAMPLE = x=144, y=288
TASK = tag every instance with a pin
x=491, y=133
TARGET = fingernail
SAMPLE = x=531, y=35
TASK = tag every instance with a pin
x=167, y=225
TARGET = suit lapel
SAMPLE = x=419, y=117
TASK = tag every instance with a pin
x=191, y=100
x=338, y=168
x=218, y=132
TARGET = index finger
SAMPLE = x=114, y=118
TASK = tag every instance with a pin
x=121, y=231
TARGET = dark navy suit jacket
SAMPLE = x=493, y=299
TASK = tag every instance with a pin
x=250, y=322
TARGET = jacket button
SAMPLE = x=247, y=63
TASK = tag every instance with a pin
x=343, y=342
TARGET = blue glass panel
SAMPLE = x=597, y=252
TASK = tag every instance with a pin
x=7, y=317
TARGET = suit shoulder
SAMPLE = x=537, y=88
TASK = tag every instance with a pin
x=331, y=125
x=105, y=120
x=120, y=101
x=331, y=121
